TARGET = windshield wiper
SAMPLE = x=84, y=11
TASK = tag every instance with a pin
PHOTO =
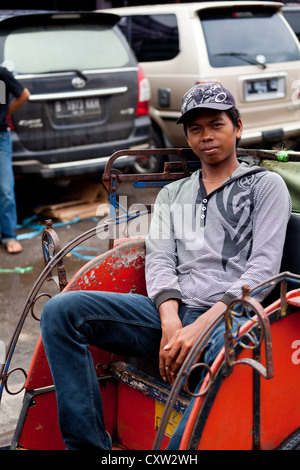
x=259, y=60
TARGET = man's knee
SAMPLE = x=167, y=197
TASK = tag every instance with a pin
x=54, y=312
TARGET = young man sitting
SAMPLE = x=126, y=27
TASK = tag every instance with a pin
x=210, y=234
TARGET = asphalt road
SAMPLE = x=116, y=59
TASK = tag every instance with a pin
x=16, y=287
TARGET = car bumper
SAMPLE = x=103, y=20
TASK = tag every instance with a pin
x=53, y=170
x=270, y=135
x=77, y=160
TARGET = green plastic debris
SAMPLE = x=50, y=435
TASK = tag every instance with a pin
x=17, y=269
x=282, y=155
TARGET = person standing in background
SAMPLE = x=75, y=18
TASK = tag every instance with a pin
x=8, y=210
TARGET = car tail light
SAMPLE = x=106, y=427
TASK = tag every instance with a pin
x=10, y=123
x=144, y=94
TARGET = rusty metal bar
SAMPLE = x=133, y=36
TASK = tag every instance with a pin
x=278, y=155
x=50, y=241
x=229, y=361
x=256, y=401
x=263, y=321
x=181, y=167
x=181, y=377
x=283, y=301
x=176, y=170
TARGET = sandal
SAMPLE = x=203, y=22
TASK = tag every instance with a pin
x=13, y=246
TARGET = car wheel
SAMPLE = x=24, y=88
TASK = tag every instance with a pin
x=151, y=163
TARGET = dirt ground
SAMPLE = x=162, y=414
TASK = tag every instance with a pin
x=15, y=290
x=18, y=276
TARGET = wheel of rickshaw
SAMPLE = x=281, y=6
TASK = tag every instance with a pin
x=244, y=410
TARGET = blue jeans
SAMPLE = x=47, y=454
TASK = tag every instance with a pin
x=8, y=211
x=127, y=324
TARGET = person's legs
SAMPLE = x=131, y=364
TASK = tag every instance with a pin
x=8, y=211
x=122, y=323
x=127, y=324
x=210, y=352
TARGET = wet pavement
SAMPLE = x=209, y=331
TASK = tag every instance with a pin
x=15, y=290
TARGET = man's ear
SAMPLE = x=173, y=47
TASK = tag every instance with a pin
x=239, y=129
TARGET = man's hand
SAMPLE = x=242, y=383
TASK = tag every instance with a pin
x=180, y=345
x=183, y=340
x=170, y=323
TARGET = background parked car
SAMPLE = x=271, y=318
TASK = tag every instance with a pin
x=89, y=98
x=292, y=15
x=247, y=46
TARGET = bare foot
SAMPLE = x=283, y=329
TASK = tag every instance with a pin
x=13, y=246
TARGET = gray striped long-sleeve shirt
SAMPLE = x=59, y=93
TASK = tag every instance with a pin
x=203, y=248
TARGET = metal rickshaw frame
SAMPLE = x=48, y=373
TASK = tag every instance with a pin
x=252, y=339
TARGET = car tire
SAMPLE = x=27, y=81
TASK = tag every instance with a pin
x=152, y=163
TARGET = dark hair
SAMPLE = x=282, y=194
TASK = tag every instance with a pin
x=234, y=115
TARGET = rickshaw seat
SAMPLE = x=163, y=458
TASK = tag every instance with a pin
x=291, y=253
x=291, y=256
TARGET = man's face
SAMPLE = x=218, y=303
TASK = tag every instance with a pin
x=212, y=136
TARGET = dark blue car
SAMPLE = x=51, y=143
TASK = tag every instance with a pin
x=88, y=97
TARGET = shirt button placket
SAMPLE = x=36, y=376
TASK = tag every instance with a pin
x=204, y=207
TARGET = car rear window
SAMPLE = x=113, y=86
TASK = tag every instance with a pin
x=39, y=49
x=152, y=37
x=293, y=18
x=239, y=36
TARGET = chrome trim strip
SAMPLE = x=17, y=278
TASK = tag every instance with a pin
x=291, y=127
x=29, y=76
x=78, y=94
x=83, y=162
x=250, y=137
x=104, y=71
x=261, y=76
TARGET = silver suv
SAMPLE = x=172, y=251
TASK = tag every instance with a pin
x=89, y=98
x=247, y=46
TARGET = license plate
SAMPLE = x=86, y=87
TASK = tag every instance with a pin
x=264, y=88
x=77, y=107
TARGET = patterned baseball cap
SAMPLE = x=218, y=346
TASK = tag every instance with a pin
x=206, y=95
